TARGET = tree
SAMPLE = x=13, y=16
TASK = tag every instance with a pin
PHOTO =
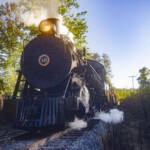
x=75, y=22
x=143, y=78
x=11, y=35
x=96, y=57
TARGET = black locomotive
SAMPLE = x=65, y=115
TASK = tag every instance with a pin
x=59, y=83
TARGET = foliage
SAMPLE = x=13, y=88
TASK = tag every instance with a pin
x=11, y=35
x=135, y=94
x=123, y=94
x=132, y=94
x=75, y=22
x=143, y=78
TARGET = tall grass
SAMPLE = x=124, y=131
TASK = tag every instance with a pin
x=133, y=94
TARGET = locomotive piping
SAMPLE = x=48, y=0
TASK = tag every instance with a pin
x=66, y=87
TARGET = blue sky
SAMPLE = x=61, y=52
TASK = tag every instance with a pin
x=120, y=28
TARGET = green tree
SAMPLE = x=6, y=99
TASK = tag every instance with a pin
x=75, y=22
x=11, y=35
x=143, y=78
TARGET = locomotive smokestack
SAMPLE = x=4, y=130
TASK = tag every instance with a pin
x=56, y=22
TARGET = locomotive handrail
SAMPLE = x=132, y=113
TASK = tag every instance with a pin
x=95, y=72
x=67, y=87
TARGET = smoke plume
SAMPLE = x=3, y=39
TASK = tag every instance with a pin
x=113, y=116
x=43, y=9
x=78, y=124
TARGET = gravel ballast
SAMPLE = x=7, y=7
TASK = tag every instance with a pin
x=93, y=139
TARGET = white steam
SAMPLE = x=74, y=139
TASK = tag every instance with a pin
x=113, y=116
x=42, y=10
x=52, y=6
x=84, y=98
x=34, y=17
x=78, y=124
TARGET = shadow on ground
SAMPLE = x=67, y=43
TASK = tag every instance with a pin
x=134, y=132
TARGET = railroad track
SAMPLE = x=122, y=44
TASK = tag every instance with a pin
x=61, y=141
x=10, y=133
x=41, y=141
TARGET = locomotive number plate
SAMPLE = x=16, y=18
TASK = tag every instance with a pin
x=44, y=60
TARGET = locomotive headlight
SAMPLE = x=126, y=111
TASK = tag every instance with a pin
x=46, y=26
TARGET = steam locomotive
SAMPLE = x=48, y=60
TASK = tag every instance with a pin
x=59, y=83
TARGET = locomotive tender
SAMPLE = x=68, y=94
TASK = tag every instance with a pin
x=59, y=82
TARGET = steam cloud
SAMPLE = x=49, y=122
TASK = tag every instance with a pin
x=113, y=116
x=78, y=124
x=42, y=10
